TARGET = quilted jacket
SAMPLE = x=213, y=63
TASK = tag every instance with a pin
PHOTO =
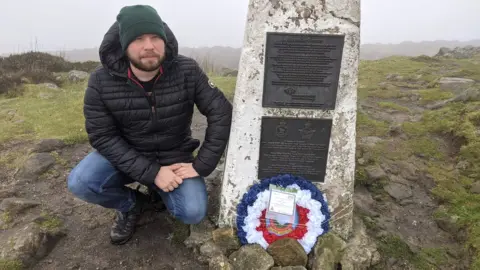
x=139, y=133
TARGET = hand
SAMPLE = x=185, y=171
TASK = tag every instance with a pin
x=166, y=179
x=185, y=170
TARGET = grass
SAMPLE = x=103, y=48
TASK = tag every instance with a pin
x=367, y=126
x=386, y=93
x=459, y=121
x=6, y=264
x=49, y=222
x=468, y=69
x=226, y=84
x=423, y=146
x=57, y=113
x=456, y=124
x=426, y=259
x=59, y=159
x=13, y=159
x=434, y=94
x=373, y=73
x=392, y=106
x=5, y=219
x=33, y=116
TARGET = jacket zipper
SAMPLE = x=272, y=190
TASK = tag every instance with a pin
x=154, y=97
x=151, y=99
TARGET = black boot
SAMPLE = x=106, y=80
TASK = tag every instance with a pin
x=124, y=225
x=156, y=201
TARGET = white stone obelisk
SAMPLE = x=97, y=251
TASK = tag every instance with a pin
x=330, y=17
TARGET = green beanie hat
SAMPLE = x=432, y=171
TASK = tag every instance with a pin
x=134, y=21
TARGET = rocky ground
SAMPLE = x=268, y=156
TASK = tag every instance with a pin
x=42, y=226
x=412, y=170
x=416, y=195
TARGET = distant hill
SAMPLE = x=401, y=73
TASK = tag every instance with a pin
x=228, y=57
x=408, y=48
x=221, y=57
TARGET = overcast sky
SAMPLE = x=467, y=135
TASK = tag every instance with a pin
x=65, y=24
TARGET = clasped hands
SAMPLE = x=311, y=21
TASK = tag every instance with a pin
x=170, y=177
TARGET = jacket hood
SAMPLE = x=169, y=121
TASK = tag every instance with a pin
x=113, y=58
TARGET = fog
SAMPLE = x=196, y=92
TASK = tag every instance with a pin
x=65, y=25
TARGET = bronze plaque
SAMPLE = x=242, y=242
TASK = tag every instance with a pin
x=296, y=146
x=302, y=70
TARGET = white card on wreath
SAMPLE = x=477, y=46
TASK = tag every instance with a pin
x=281, y=205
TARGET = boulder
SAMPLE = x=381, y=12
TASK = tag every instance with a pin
x=331, y=252
x=48, y=145
x=361, y=251
x=208, y=251
x=375, y=173
x=28, y=244
x=475, y=188
x=219, y=263
x=398, y=191
x=458, y=52
x=456, y=85
x=289, y=268
x=364, y=202
x=288, y=252
x=16, y=206
x=77, y=75
x=35, y=166
x=49, y=85
x=251, y=257
x=447, y=222
x=199, y=234
x=408, y=170
x=327, y=252
x=226, y=239
x=468, y=95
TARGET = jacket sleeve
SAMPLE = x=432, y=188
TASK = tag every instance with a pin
x=107, y=140
x=212, y=103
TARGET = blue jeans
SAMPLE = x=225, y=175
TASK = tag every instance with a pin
x=96, y=181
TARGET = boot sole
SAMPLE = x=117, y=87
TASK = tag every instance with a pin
x=121, y=242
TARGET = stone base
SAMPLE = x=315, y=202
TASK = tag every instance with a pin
x=220, y=249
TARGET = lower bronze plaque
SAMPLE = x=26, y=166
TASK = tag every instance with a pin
x=296, y=146
x=302, y=70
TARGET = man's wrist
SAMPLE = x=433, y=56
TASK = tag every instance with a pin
x=152, y=173
x=196, y=166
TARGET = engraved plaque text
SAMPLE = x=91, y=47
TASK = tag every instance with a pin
x=296, y=146
x=302, y=70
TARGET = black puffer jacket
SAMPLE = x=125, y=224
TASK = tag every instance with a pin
x=138, y=140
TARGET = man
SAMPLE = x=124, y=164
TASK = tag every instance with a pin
x=138, y=108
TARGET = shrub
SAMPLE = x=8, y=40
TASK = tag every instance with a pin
x=35, y=67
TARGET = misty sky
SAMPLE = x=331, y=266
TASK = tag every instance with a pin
x=65, y=25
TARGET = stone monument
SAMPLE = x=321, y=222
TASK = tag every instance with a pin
x=295, y=102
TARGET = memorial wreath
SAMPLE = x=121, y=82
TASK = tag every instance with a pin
x=311, y=218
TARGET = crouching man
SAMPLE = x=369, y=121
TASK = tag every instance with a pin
x=138, y=108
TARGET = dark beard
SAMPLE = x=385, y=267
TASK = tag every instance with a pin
x=144, y=67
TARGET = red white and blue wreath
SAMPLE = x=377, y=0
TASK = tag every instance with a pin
x=311, y=216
